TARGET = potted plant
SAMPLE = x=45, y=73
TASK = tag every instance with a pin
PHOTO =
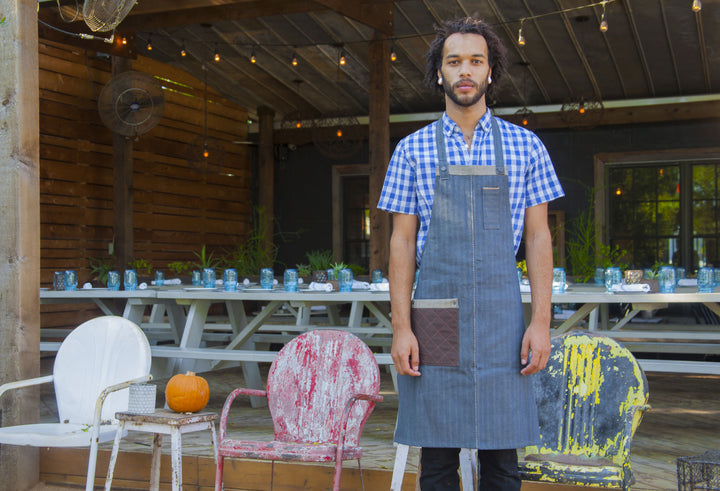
x=319, y=262
x=99, y=269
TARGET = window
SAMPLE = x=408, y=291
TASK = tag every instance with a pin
x=661, y=209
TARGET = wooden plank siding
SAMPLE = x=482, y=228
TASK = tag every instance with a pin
x=177, y=210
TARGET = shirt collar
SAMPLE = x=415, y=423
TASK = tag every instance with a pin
x=450, y=126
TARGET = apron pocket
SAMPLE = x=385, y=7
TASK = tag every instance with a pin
x=436, y=327
x=491, y=208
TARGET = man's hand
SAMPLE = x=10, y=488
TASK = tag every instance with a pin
x=405, y=353
x=536, y=341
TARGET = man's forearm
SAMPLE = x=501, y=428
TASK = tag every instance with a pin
x=539, y=264
x=402, y=273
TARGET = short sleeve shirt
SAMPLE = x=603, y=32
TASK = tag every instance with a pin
x=410, y=180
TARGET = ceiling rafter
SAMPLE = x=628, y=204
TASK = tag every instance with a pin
x=673, y=59
x=640, y=49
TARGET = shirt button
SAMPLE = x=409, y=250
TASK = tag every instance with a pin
x=443, y=168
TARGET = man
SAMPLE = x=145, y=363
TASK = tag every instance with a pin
x=472, y=180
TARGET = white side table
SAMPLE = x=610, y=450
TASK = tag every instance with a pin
x=163, y=422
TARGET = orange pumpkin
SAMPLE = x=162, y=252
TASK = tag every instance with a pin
x=187, y=393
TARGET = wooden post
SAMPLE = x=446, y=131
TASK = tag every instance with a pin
x=266, y=173
x=20, y=237
x=379, y=142
x=123, y=236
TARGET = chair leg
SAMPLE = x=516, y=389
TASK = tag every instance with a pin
x=468, y=468
x=92, y=461
x=399, y=468
x=338, y=475
x=219, y=473
x=362, y=482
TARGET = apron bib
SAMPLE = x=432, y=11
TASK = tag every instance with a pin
x=472, y=395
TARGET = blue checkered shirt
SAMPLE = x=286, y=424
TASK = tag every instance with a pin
x=410, y=180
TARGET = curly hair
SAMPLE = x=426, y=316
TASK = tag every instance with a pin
x=468, y=25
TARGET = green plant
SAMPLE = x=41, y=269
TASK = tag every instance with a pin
x=206, y=260
x=356, y=269
x=99, y=268
x=254, y=253
x=303, y=269
x=180, y=267
x=319, y=260
x=141, y=266
x=585, y=250
x=337, y=267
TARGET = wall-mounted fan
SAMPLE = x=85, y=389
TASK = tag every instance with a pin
x=131, y=103
x=105, y=15
x=205, y=154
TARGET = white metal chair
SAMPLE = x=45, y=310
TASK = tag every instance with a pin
x=94, y=366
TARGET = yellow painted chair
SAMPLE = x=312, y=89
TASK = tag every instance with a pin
x=590, y=399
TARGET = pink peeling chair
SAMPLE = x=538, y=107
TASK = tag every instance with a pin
x=321, y=388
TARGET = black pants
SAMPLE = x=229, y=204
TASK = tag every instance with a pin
x=498, y=470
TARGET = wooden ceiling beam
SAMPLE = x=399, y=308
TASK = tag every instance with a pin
x=377, y=14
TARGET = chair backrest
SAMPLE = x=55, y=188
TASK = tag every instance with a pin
x=583, y=395
x=98, y=353
x=310, y=382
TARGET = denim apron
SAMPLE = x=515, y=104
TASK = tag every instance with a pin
x=478, y=399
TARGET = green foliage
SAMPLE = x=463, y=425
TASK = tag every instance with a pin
x=356, y=269
x=253, y=254
x=319, y=260
x=303, y=269
x=585, y=249
x=180, y=267
x=141, y=266
x=206, y=260
x=2, y=20
x=99, y=268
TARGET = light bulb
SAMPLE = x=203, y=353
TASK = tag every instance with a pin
x=124, y=40
x=217, y=56
x=206, y=154
x=298, y=124
x=252, y=56
x=149, y=45
x=342, y=60
x=183, y=53
x=603, y=21
x=294, y=60
x=521, y=38
x=696, y=6
x=525, y=122
x=339, y=133
x=393, y=54
x=618, y=191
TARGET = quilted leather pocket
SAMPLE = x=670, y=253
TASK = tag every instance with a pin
x=435, y=324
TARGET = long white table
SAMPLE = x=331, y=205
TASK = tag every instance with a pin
x=187, y=313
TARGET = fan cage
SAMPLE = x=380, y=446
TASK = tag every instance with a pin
x=105, y=15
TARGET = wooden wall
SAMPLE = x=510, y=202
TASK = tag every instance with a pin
x=176, y=209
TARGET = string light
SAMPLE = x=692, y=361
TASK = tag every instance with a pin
x=603, y=21
x=206, y=153
x=217, y=54
x=339, y=133
x=183, y=53
x=342, y=60
x=696, y=6
x=298, y=124
x=124, y=40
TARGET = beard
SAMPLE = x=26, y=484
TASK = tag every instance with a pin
x=466, y=100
